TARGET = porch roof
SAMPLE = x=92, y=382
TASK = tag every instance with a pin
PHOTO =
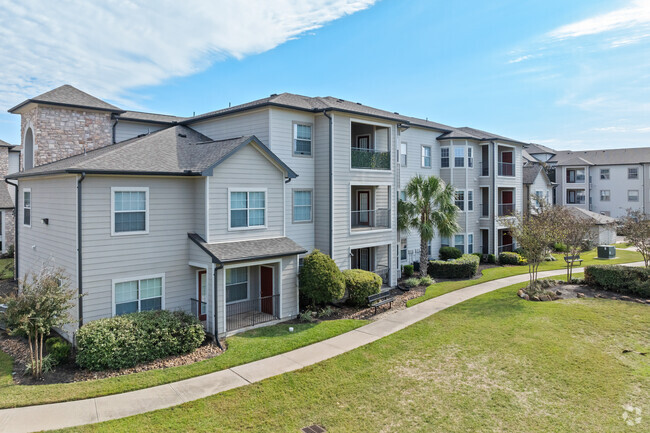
x=227, y=252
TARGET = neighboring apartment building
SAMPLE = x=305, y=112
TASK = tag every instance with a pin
x=212, y=213
x=9, y=163
x=537, y=185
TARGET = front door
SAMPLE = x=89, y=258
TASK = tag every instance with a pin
x=363, y=200
x=485, y=240
x=506, y=241
x=506, y=202
x=364, y=259
x=203, y=295
x=266, y=289
x=506, y=158
x=363, y=142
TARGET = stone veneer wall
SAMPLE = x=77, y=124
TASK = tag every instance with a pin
x=63, y=132
x=10, y=228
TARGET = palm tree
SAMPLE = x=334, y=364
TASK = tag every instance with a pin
x=429, y=206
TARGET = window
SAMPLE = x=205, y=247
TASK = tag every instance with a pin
x=470, y=200
x=460, y=199
x=247, y=209
x=575, y=196
x=302, y=206
x=575, y=175
x=130, y=211
x=632, y=173
x=27, y=207
x=404, y=148
x=301, y=139
x=402, y=251
x=444, y=241
x=402, y=195
x=426, y=156
x=632, y=195
x=444, y=157
x=138, y=295
x=429, y=249
x=604, y=174
x=470, y=243
x=459, y=242
x=604, y=195
x=236, y=284
x=470, y=158
x=459, y=157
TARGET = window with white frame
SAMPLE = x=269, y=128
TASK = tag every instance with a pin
x=402, y=250
x=402, y=195
x=632, y=195
x=444, y=241
x=27, y=207
x=632, y=173
x=605, y=195
x=403, y=151
x=459, y=242
x=302, y=139
x=302, y=206
x=470, y=200
x=604, y=174
x=470, y=158
x=459, y=198
x=426, y=156
x=470, y=243
x=236, y=284
x=247, y=209
x=130, y=210
x=136, y=295
x=459, y=157
x=444, y=157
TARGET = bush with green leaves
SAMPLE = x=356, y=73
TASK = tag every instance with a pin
x=360, y=284
x=321, y=281
x=620, y=279
x=479, y=255
x=492, y=259
x=408, y=271
x=58, y=349
x=560, y=247
x=508, y=258
x=449, y=253
x=464, y=267
x=426, y=281
x=412, y=282
x=131, y=339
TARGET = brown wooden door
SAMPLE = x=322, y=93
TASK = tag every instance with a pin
x=266, y=289
x=202, y=289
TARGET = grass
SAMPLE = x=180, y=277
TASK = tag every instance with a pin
x=493, y=363
x=6, y=269
x=508, y=271
x=6, y=364
x=242, y=348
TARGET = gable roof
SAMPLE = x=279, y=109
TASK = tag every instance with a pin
x=165, y=119
x=5, y=198
x=5, y=144
x=226, y=252
x=574, y=160
x=467, y=133
x=175, y=151
x=69, y=96
x=590, y=216
x=635, y=155
x=535, y=149
x=530, y=173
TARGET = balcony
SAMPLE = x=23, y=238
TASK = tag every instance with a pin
x=369, y=159
x=370, y=219
x=506, y=209
x=485, y=168
x=506, y=169
x=252, y=312
x=373, y=259
x=369, y=147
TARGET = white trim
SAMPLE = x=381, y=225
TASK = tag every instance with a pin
x=31, y=201
x=144, y=189
x=197, y=265
x=294, y=130
x=370, y=122
x=311, y=205
x=138, y=279
x=430, y=166
x=207, y=209
x=266, y=208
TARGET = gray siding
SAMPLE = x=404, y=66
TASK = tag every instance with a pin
x=126, y=130
x=321, y=185
x=249, y=123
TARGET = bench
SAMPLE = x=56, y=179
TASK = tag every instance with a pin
x=379, y=299
x=572, y=259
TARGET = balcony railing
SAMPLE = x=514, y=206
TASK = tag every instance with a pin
x=506, y=209
x=370, y=159
x=382, y=271
x=376, y=218
x=506, y=169
x=199, y=309
x=485, y=209
x=251, y=312
x=485, y=168
x=506, y=248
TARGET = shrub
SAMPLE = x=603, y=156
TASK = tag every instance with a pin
x=621, y=279
x=508, y=258
x=361, y=284
x=125, y=341
x=306, y=316
x=58, y=349
x=464, y=267
x=491, y=258
x=426, y=281
x=48, y=365
x=408, y=270
x=479, y=255
x=327, y=311
x=412, y=282
x=447, y=253
x=321, y=281
x=560, y=247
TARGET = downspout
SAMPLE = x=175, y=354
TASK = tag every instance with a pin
x=467, y=189
x=331, y=186
x=495, y=168
x=15, y=185
x=114, y=126
x=216, y=309
x=79, y=232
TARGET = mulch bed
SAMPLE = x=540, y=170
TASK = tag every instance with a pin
x=8, y=287
x=576, y=291
x=18, y=349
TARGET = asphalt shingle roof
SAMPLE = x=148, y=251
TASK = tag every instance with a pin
x=178, y=150
x=534, y=148
x=150, y=117
x=635, y=155
x=530, y=173
x=475, y=134
x=592, y=217
x=70, y=96
x=5, y=199
x=226, y=252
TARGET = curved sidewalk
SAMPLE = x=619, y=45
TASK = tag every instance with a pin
x=73, y=413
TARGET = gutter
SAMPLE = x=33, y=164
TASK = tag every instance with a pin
x=331, y=184
x=495, y=201
x=216, y=309
x=117, y=119
x=15, y=185
x=79, y=234
x=111, y=172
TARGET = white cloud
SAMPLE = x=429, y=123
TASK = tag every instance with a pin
x=520, y=59
x=106, y=48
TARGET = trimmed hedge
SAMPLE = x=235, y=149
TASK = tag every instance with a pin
x=491, y=258
x=621, y=279
x=131, y=339
x=448, y=253
x=408, y=270
x=361, y=284
x=58, y=349
x=464, y=267
x=508, y=258
x=321, y=281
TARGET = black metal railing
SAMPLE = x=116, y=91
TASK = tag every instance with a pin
x=506, y=248
x=485, y=209
x=370, y=158
x=485, y=168
x=506, y=169
x=376, y=218
x=382, y=271
x=251, y=312
x=506, y=209
x=199, y=309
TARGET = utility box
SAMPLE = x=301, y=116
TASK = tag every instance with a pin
x=606, y=252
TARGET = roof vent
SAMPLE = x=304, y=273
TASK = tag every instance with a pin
x=359, y=103
x=182, y=135
x=395, y=112
x=340, y=100
x=273, y=94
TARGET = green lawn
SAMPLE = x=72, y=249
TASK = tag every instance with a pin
x=493, y=363
x=9, y=271
x=508, y=271
x=243, y=348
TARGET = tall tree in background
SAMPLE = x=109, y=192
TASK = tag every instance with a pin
x=636, y=226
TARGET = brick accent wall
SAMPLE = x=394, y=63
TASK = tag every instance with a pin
x=63, y=132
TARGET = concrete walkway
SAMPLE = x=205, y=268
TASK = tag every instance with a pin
x=68, y=414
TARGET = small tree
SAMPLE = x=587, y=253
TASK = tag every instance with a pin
x=321, y=281
x=574, y=231
x=636, y=226
x=534, y=233
x=42, y=303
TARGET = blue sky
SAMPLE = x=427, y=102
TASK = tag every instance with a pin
x=567, y=74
